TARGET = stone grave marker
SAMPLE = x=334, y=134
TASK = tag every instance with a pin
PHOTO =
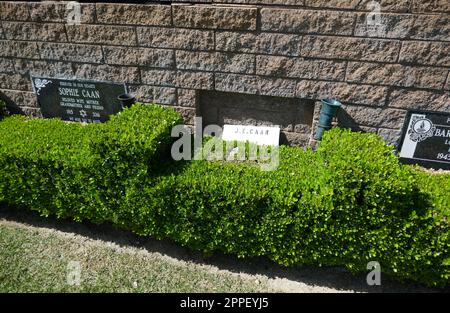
x=77, y=100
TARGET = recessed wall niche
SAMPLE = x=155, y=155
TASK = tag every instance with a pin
x=294, y=116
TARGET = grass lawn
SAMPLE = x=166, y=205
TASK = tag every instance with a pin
x=34, y=260
x=35, y=256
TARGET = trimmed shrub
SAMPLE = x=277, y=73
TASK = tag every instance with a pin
x=429, y=228
x=81, y=171
x=349, y=203
x=384, y=211
x=230, y=206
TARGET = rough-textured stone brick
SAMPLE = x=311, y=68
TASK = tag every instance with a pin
x=277, y=87
x=447, y=84
x=216, y=61
x=407, y=26
x=300, y=68
x=16, y=106
x=14, y=81
x=235, y=63
x=396, y=75
x=143, y=93
x=159, y=77
x=70, y=52
x=195, y=80
x=420, y=99
x=307, y=21
x=386, y=5
x=2, y=33
x=372, y=117
x=14, y=11
x=44, y=68
x=23, y=66
x=120, y=74
x=282, y=44
x=237, y=83
x=51, y=11
x=392, y=136
x=350, y=48
x=273, y=2
x=335, y=4
x=246, y=42
x=183, y=79
x=351, y=93
x=429, y=53
x=34, y=112
x=154, y=94
x=262, y=43
x=162, y=58
x=14, y=97
x=366, y=129
x=256, y=85
x=193, y=60
x=34, y=31
x=19, y=49
x=190, y=39
x=203, y=1
x=6, y=66
x=188, y=114
x=295, y=139
x=214, y=17
x=102, y=34
x=134, y=14
x=302, y=128
x=186, y=97
x=164, y=95
x=431, y=6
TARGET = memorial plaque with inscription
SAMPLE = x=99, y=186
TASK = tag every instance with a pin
x=426, y=139
x=77, y=100
x=260, y=135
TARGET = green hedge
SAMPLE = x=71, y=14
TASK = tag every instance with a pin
x=349, y=203
x=386, y=211
x=81, y=171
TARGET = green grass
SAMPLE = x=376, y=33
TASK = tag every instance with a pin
x=35, y=260
x=34, y=257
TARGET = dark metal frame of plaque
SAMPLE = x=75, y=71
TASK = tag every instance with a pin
x=422, y=162
x=102, y=117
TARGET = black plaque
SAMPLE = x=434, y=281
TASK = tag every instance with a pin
x=426, y=139
x=77, y=100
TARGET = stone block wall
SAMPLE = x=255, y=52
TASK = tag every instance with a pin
x=260, y=53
